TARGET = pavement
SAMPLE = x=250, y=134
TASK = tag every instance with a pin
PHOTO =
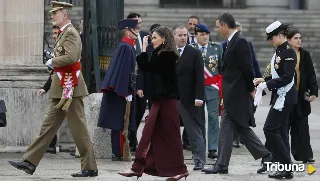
x=242, y=165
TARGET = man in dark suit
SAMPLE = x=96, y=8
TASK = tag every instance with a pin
x=191, y=91
x=141, y=101
x=257, y=74
x=237, y=91
x=191, y=23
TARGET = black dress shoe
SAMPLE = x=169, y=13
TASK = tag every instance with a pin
x=133, y=149
x=310, y=160
x=52, y=150
x=116, y=158
x=24, y=165
x=236, y=144
x=217, y=169
x=281, y=175
x=212, y=154
x=265, y=159
x=186, y=147
x=262, y=169
x=198, y=166
x=86, y=173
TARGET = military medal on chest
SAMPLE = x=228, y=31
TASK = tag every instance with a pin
x=212, y=63
x=278, y=59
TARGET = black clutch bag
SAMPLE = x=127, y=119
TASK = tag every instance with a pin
x=306, y=96
x=3, y=110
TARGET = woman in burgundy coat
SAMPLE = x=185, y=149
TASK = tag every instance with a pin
x=160, y=152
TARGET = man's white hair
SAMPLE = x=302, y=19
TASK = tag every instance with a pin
x=67, y=12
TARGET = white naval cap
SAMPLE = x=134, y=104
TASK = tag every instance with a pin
x=275, y=28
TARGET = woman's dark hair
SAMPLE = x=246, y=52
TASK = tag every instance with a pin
x=153, y=27
x=169, y=43
x=292, y=33
x=285, y=30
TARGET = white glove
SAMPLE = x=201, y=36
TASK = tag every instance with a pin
x=129, y=98
x=262, y=86
x=49, y=63
x=258, y=97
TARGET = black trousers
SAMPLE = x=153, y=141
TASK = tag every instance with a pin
x=275, y=130
x=117, y=143
x=236, y=136
x=300, y=137
x=53, y=142
x=141, y=104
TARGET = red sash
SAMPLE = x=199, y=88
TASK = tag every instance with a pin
x=215, y=81
x=69, y=70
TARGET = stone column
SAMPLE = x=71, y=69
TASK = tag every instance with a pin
x=2, y=35
x=24, y=32
x=21, y=71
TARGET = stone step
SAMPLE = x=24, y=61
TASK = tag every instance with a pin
x=253, y=12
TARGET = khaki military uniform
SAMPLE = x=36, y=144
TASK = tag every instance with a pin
x=67, y=51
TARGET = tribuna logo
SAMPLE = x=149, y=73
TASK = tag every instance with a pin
x=292, y=167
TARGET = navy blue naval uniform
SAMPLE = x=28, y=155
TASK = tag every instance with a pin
x=116, y=86
x=275, y=128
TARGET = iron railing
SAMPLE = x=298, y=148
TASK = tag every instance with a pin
x=100, y=38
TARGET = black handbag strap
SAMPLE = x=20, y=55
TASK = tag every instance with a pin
x=3, y=108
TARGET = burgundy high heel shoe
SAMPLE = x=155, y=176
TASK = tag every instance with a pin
x=178, y=177
x=130, y=174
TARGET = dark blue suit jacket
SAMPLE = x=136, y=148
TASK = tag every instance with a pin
x=255, y=63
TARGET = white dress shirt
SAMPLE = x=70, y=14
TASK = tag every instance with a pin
x=232, y=34
x=182, y=49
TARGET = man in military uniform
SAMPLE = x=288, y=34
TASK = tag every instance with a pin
x=66, y=98
x=118, y=89
x=283, y=99
x=212, y=57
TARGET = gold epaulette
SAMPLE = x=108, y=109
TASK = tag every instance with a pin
x=267, y=71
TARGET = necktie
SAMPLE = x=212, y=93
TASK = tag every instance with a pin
x=59, y=32
x=192, y=39
x=179, y=51
x=138, y=48
x=203, y=52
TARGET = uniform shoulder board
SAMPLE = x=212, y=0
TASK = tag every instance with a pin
x=215, y=43
x=289, y=59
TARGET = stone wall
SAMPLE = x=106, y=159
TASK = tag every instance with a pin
x=21, y=71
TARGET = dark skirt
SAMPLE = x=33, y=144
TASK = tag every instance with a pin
x=160, y=152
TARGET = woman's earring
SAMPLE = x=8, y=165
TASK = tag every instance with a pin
x=163, y=43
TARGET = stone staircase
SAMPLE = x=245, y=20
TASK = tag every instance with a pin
x=253, y=23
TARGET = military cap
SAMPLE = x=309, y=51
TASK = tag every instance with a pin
x=274, y=29
x=55, y=6
x=201, y=28
x=127, y=23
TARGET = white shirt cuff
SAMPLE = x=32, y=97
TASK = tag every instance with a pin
x=262, y=86
x=49, y=63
